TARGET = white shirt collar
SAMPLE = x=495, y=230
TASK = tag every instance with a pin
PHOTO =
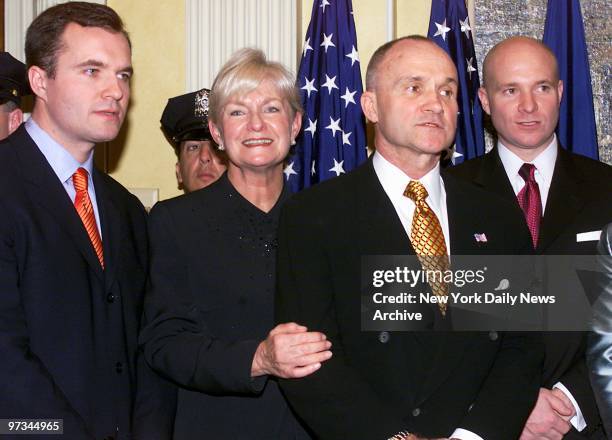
x=62, y=162
x=544, y=162
x=394, y=181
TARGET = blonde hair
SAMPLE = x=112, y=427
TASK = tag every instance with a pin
x=243, y=73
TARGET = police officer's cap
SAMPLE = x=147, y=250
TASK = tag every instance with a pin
x=13, y=81
x=186, y=117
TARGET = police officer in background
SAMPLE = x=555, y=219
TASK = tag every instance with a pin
x=185, y=124
x=13, y=85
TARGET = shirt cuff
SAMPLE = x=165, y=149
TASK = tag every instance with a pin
x=577, y=421
x=464, y=434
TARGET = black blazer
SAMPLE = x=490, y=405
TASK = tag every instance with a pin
x=579, y=200
x=68, y=329
x=209, y=305
x=377, y=384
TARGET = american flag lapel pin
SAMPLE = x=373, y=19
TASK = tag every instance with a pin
x=480, y=237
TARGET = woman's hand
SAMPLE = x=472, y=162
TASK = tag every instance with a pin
x=290, y=351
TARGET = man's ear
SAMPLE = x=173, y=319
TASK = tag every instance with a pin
x=560, y=90
x=369, y=107
x=179, y=177
x=15, y=119
x=38, y=81
x=484, y=100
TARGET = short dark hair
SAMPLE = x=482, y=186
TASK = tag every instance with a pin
x=44, y=36
x=379, y=55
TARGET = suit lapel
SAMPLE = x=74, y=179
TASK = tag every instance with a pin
x=44, y=188
x=111, y=227
x=381, y=231
x=564, y=201
x=493, y=177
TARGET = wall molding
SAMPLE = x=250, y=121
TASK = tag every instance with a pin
x=216, y=28
x=18, y=14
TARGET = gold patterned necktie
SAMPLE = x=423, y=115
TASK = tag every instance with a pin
x=83, y=205
x=428, y=241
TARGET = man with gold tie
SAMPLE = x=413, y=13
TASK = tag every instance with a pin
x=73, y=245
x=394, y=384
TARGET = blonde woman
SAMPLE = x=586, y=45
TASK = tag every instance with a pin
x=210, y=318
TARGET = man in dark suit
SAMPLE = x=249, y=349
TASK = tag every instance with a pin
x=400, y=385
x=573, y=201
x=73, y=246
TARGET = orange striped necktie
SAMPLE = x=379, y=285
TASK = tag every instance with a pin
x=83, y=205
x=428, y=241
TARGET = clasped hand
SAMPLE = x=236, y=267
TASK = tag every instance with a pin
x=290, y=351
x=550, y=418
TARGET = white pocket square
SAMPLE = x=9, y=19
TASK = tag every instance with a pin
x=588, y=236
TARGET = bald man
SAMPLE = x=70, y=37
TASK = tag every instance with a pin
x=522, y=93
x=394, y=384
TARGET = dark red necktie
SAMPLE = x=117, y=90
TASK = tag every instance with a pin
x=530, y=201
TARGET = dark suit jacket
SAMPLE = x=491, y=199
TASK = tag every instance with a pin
x=377, y=384
x=68, y=329
x=579, y=200
x=209, y=305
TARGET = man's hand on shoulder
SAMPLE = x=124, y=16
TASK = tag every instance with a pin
x=549, y=419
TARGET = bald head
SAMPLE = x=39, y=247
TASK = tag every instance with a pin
x=381, y=53
x=522, y=94
x=520, y=47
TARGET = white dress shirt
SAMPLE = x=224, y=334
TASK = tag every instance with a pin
x=394, y=182
x=545, y=167
x=544, y=163
x=63, y=164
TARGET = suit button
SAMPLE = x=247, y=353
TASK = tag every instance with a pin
x=383, y=337
x=493, y=335
x=119, y=367
x=110, y=298
x=416, y=412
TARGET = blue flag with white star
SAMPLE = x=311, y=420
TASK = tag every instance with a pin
x=564, y=34
x=449, y=28
x=333, y=136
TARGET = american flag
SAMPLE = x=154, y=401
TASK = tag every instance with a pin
x=333, y=137
x=450, y=28
x=564, y=34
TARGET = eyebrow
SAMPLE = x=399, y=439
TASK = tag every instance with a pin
x=98, y=63
x=516, y=84
x=448, y=80
x=265, y=101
